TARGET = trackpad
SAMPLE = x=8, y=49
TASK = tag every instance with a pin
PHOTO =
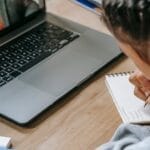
x=61, y=73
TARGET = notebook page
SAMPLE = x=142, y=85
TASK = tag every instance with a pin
x=130, y=108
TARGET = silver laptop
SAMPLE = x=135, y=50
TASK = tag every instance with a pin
x=43, y=57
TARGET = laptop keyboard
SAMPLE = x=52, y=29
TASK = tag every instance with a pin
x=31, y=48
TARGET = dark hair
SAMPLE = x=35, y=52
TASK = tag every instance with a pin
x=129, y=21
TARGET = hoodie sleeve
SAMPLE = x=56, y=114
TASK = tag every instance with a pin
x=129, y=137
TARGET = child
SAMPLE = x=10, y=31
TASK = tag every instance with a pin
x=129, y=22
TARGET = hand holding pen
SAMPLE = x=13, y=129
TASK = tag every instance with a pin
x=142, y=86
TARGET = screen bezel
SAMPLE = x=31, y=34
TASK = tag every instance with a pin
x=20, y=23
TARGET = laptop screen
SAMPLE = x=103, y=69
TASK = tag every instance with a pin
x=17, y=11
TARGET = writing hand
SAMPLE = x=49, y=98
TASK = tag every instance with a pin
x=142, y=86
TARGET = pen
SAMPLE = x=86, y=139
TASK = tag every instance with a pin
x=146, y=101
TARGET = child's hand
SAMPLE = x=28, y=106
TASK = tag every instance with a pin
x=142, y=85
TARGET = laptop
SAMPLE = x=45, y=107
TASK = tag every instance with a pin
x=43, y=57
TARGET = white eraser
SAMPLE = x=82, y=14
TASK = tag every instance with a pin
x=5, y=142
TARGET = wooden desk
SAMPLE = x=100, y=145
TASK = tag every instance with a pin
x=82, y=120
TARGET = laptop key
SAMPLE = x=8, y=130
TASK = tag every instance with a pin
x=22, y=62
x=3, y=59
x=34, y=55
x=15, y=66
x=54, y=50
x=18, y=57
x=12, y=61
x=2, y=83
x=9, y=70
x=5, y=65
x=73, y=37
x=28, y=58
x=15, y=73
x=8, y=78
x=63, y=42
x=1, y=68
x=3, y=73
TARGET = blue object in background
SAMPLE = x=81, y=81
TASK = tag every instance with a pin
x=86, y=3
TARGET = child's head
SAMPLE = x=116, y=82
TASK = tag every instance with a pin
x=129, y=22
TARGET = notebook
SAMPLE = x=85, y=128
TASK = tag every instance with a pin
x=130, y=108
x=5, y=142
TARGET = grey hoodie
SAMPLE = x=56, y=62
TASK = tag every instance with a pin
x=129, y=137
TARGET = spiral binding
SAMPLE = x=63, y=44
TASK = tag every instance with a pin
x=120, y=74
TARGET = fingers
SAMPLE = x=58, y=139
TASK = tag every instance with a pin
x=140, y=94
x=134, y=80
x=142, y=85
x=143, y=81
x=147, y=101
x=139, y=80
